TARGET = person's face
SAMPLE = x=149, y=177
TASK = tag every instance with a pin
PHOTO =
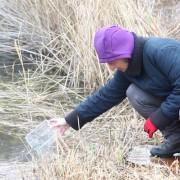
x=120, y=64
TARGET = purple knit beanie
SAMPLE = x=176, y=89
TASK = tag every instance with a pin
x=112, y=43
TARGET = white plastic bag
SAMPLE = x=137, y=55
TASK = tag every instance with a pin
x=42, y=138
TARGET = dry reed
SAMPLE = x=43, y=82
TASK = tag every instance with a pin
x=56, y=37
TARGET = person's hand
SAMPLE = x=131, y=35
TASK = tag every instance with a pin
x=60, y=124
x=149, y=127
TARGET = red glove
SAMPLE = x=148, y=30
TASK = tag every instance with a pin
x=149, y=127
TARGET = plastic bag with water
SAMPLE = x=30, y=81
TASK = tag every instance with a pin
x=42, y=139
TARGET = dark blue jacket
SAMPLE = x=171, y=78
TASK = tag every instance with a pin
x=155, y=68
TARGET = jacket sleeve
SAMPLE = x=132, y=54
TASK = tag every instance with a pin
x=111, y=94
x=169, y=64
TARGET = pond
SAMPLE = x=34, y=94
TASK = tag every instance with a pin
x=11, y=148
x=13, y=157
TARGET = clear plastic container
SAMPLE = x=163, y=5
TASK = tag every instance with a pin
x=42, y=139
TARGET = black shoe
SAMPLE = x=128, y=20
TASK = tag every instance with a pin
x=169, y=147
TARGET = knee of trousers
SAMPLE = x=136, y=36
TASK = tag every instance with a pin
x=135, y=97
x=143, y=102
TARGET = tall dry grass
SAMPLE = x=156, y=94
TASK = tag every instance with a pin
x=60, y=33
x=56, y=37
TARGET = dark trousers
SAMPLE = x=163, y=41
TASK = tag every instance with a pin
x=144, y=103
